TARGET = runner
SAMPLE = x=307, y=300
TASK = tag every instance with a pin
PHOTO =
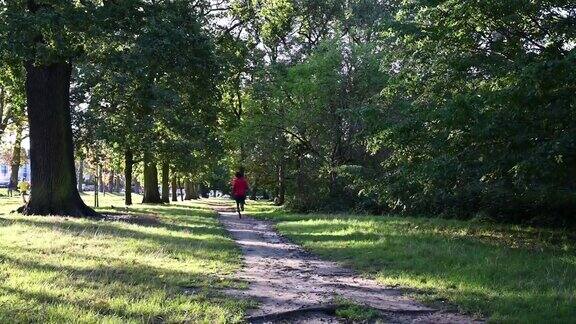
x=239, y=190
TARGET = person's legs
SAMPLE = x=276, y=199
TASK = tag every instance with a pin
x=238, y=202
x=24, y=197
x=242, y=203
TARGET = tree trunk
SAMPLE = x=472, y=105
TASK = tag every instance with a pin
x=165, y=182
x=151, y=193
x=16, y=155
x=81, y=176
x=1, y=111
x=101, y=180
x=181, y=193
x=281, y=183
x=5, y=114
x=188, y=190
x=194, y=191
x=128, y=163
x=111, y=181
x=54, y=182
x=253, y=190
x=204, y=191
x=117, y=183
x=96, y=182
x=137, y=187
x=174, y=189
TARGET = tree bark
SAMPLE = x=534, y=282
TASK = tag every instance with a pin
x=96, y=184
x=101, y=180
x=54, y=182
x=181, y=193
x=253, y=190
x=117, y=183
x=165, y=182
x=111, y=181
x=2, y=95
x=151, y=193
x=194, y=191
x=188, y=185
x=204, y=191
x=174, y=189
x=128, y=163
x=281, y=183
x=81, y=176
x=5, y=115
x=16, y=155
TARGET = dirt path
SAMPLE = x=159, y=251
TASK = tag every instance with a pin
x=290, y=284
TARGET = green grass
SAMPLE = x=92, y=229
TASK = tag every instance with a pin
x=56, y=269
x=505, y=273
x=355, y=313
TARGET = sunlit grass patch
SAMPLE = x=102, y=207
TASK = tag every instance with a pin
x=507, y=273
x=58, y=269
x=261, y=207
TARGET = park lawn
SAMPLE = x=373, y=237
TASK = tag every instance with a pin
x=65, y=270
x=504, y=273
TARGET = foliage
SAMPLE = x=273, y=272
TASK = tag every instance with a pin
x=478, y=109
x=450, y=107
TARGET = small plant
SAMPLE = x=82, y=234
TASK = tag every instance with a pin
x=355, y=313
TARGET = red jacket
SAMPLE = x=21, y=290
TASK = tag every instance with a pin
x=239, y=187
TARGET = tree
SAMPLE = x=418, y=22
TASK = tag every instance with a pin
x=474, y=120
x=44, y=36
x=149, y=95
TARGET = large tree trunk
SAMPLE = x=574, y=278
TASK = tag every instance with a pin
x=165, y=182
x=128, y=163
x=151, y=193
x=174, y=189
x=16, y=155
x=53, y=189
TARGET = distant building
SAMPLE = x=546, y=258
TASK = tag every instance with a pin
x=6, y=170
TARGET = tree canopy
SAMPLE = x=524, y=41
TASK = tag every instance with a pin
x=448, y=107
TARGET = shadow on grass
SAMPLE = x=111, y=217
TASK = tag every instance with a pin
x=143, y=287
x=173, y=238
x=510, y=284
x=131, y=282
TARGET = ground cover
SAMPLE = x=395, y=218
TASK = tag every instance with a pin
x=170, y=268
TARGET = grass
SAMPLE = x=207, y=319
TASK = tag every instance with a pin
x=355, y=313
x=56, y=269
x=504, y=273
